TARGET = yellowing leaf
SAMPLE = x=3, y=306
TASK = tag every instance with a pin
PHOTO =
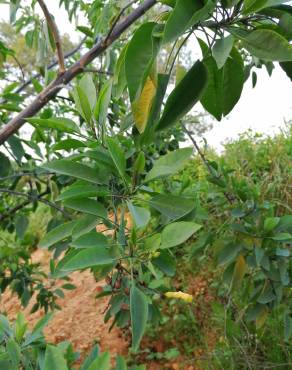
x=180, y=295
x=239, y=272
x=141, y=107
x=261, y=319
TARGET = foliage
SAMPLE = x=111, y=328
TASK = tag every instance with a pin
x=226, y=330
x=108, y=147
x=24, y=349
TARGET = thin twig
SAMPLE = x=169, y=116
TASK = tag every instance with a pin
x=55, y=32
x=205, y=161
x=20, y=174
x=94, y=70
x=179, y=49
x=12, y=210
x=19, y=65
x=37, y=198
x=118, y=17
x=64, y=98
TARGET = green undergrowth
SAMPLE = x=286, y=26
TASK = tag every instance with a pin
x=212, y=332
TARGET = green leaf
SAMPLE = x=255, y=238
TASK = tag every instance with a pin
x=152, y=243
x=5, y=328
x=54, y=359
x=42, y=323
x=86, y=258
x=259, y=255
x=37, y=332
x=117, y=155
x=86, y=30
x=203, y=13
x=165, y=262
x=119, y=80
x=87, y=85
x=139, y=315
x=283, y=252
x=90, y=358
x=139, y=59
x=185, y=14
x=270, y=223
x=285, y=224
x=168, y=2
x=77, y=170
x=238, y=212
x=184, y=96
x=139, y=164
x=222, y=49
x=90, y=240
x=267, y=295
x=224, y=85
x=101, y=363
x=102, y=104
x=283, y=237
x=81, y=191
x=84, y=225
x=169, y=164
x=5, y=165
x=89, y=206
x=228, y=253
x=287, y=326
x=266, y=44
x=68, y=144
x=121, y=363
x=20, y=326
x=172, y=206
x=21, y=224
x=179, y=73
x=60, y=124
x=141, y=216
x=177, y=233
x=57, y=234
x=82, y=103
x=101, y=156
x=16, y=147
x=252, y=6
x=287, y=68
x=14, y=6
x=13, y=351
x=68, y=286
x=286, y=26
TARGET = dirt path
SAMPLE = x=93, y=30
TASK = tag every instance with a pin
x=80, y=320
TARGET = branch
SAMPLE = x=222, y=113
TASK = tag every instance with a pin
x=19, y=65
x=52, y=90
x=37, y=198
x=11, y=211
x=228, y=196
x=94, y=70
x=20, y=174
x=54, y=29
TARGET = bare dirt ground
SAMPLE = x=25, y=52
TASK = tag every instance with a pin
x=80, y=319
